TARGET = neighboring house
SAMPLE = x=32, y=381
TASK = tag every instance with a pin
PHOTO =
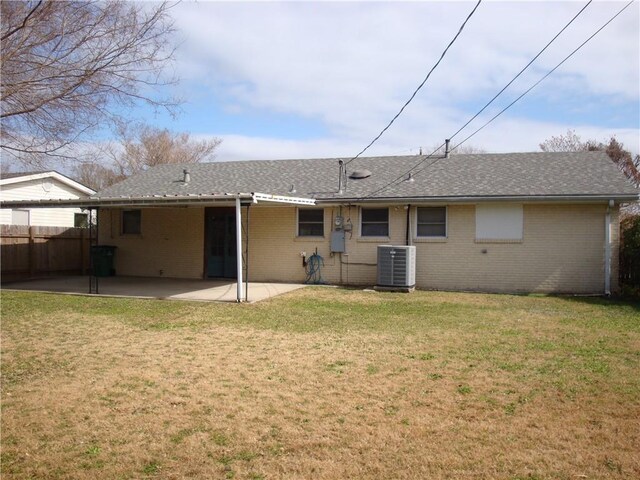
x=521, y=222
x=42, y=186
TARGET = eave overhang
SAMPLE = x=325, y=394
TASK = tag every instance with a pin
x=572, y=198
x=159, y=201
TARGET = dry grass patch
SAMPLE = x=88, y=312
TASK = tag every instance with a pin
x=320, y=383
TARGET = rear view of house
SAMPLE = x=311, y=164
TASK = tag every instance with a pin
x=522, y=222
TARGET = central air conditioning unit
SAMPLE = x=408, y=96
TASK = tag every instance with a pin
x=396, y=267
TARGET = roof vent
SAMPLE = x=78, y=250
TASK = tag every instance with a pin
x=360, y=174
x=292, y=189
x=187, y=177
x=410, y=178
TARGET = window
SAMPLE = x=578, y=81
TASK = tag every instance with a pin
x=310, y=222
x=20, y=217
x=432, y=222
x=131, y=221
x=80, y=220
x=499, y=222
x=374, y=222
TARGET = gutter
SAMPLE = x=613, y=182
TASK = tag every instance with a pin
x=619, y=198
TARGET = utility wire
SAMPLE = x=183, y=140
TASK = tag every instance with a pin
x=419, y=86
x=503, y=110
x=521, y=71
x=548, y=73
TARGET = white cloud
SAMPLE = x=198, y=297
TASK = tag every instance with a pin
x=509, y=135
x=351, y=66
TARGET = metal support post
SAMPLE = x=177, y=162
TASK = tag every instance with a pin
x=239, y=249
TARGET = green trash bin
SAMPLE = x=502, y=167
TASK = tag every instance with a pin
x=102, y=258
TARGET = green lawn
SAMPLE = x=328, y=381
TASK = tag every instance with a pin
x=321, y=383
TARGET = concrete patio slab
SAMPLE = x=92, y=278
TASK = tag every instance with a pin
x=165, y=288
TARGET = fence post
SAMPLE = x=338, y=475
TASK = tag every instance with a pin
x=32, y=252
x=83, y=262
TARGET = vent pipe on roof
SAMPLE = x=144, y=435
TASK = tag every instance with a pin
x=446, y=148
x=187, y=176
x=340, y=176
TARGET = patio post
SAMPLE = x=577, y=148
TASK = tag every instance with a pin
x=239, y=248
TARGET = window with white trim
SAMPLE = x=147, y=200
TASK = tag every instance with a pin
x=374, y=222
x=499, y=222
x=431, y=222
x=310, y=222
x=20, y=217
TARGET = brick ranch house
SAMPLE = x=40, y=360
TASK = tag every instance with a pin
x=519, y=222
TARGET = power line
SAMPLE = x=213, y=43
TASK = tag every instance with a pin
x=521, y=71
x=506, y=108
x=548, y=73
x=419, y=86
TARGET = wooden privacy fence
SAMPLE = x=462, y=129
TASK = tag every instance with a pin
x=36, y=251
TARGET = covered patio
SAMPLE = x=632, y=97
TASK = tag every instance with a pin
x=158, y=288
x=227, y=289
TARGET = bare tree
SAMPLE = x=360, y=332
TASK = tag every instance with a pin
x=571, y=142
x=95, y=176
x=462, y=150
x=139, y=148
x=144, y=147
x=68, y=67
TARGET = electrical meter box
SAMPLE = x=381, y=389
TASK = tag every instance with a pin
x=337, y=241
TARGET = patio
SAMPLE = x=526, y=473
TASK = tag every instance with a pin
x=161, y=288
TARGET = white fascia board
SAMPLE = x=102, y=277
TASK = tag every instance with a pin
x=265, y=197
x=618, y=197
x=52, y=174
x=148, y=201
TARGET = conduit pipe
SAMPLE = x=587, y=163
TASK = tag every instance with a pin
x=607, y=249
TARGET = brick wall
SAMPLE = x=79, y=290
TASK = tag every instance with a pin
x=562, y=249
x=171, y=243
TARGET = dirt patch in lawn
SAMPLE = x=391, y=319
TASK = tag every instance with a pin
x=517, y=389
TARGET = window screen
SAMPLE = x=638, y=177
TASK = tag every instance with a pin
x=375, y=222
x=311, y=222
x=131, y=221
x=432, y=222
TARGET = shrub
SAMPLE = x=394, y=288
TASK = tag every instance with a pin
x=630, y=256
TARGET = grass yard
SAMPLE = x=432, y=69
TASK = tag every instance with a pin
x=322, y=383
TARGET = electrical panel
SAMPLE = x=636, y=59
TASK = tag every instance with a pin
x=337, y=241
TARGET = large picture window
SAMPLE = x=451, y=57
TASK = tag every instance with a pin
x=310, y=222
x=131, y=222
x=432, y=222
x=374, y=222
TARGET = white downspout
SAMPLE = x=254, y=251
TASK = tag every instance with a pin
x=240, y=294
x=607, y=249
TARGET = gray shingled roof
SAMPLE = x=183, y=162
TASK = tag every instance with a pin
x=474, y=175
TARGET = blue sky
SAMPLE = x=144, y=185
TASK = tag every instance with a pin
x=301, y=80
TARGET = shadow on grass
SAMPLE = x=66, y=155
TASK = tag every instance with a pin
x=603, y=301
